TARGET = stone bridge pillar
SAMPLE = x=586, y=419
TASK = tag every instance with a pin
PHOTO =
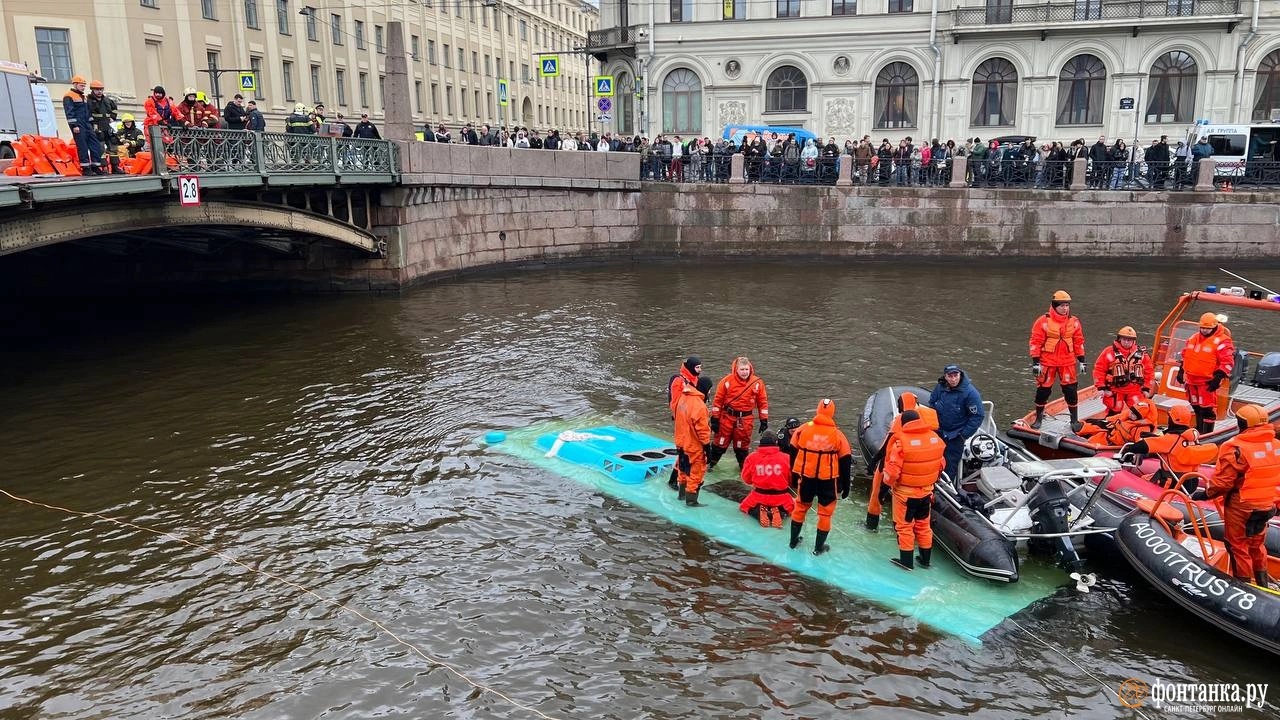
x=399, y=122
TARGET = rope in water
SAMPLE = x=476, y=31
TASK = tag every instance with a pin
x=296, y=586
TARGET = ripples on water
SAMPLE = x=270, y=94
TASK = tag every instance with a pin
x=332, y=442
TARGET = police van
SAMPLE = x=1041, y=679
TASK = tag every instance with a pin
x=1239, y=143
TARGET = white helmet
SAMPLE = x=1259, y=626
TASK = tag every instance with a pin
x=299, y=108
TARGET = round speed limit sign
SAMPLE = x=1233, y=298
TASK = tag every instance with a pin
x=189, y=189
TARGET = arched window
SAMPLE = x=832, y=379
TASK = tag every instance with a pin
x=682, y=102
x=1266, y=88
x=1082, y=87
x=995, y=93
x=897, y=96
x=1173, y=88
x=786, y=91
x=626, y=97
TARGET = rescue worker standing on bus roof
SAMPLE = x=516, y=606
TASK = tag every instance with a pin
x=102, y=113
x=880, y=488
x=1123, y=371
x=912, y=464
x=693, y=436
x=75, y=105
x=1247, y=478
x=822, y=468
x=738, y=395
x=690, y=370
x=1207, y=360
x=1179, y=449
x=1057, y=354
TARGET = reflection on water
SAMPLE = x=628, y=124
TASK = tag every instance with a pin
x=330, y=441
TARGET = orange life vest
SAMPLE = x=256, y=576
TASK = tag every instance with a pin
x=916, y=456
x=1259, y=453
x=819, y=445
x=1200, y=356
x=693, y=427
x=1124, y=370
x=1058, y=331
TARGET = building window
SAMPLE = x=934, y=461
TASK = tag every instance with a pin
x=359, y=33
x=1173, y=88
x=524, y=30
x=897, y=96
x=901, y=6
x=786, y=91
x=1266, y=88
x=478, y=108
x=1088, y=10
x=681, y=10
x=382, y=92
x=417, y=96
x=844, y=7
x=340, y=78
x=313, y=31
x=1082, y=91
x=414, y=46
x=207, y=10
x=362, y=79
x=435, y=94
x=149, y=4
x=377, y=39
x=211, y=62
x=53, y=46
x=682, y=102
x=282, y=17
x=286, y=69
x=445, y=57
x=735, y=9
x=475, y=62
x=448, y=100
x=524, y=72
x=255, y=66
x=789, y=8
x=488, y=68
x=315, y=84
x=431, y=52
x=999, y=12
x=335, y=28
x=626, y=102
x=995, y=93
x=462, y=59
x=251, y=14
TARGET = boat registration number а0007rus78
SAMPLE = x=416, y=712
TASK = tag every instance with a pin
x=1194, y=579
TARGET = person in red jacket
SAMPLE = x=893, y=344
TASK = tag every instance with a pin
x=159, y=110
x=1057, y=355
x=189, y=112
x=913, y=462
x=768, y=472
x=1247, y=478
x=1207, y=360
x=1123, y=371
x=738, y=395
x=693, y=435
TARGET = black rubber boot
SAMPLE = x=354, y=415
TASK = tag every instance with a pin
x=741, y=455
x=872, y=522
x=716, y=454
x=903, y=560
x=681, y=495
x=1035, y=424
x=820, y=542
x=673, y=482
x=1076, y=425
x=795, y=533
x=923, y=557
x=691, y=499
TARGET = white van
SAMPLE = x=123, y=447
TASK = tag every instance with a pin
x=1239, y=143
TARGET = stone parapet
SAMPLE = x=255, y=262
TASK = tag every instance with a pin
x=426, y=163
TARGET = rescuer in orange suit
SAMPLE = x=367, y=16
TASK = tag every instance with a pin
x=690, y=370
x=738, y=395
x=1057, y=354
x=913, y=462
x=879, y=488
x=1207, y=361
x=1179, y=448
x=822, y=467
x=1136, y=421
x=768, y=472
x=1123, y=371
x=1247, y=478
x=693, y=435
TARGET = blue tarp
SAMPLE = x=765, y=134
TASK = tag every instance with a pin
x=858, y=563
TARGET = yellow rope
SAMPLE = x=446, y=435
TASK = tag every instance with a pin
x=412, y=648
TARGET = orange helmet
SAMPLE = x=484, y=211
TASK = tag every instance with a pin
x=1208, y=320
x=97, y=85
x=1127, y=332
x=1061, y=296
x=78, y=80
x=1181, y=414
x=1251, y=415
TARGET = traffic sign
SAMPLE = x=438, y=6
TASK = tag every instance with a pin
x=604, y=117
x=248, y=83
x=603, y=85
x=189, y=190
x=502, y=93
x=549, y=65
x=604, y=104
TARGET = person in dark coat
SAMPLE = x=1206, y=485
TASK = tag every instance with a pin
x=960, y=413
x=254, y=119
x=366, y=129
x=236, y=117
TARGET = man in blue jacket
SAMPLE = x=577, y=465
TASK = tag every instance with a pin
x=960, y=413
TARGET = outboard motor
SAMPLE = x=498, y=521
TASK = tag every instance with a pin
x=1267, y=373
x=1050, y=509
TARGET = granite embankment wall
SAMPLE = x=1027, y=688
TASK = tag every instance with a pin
x=465, y=208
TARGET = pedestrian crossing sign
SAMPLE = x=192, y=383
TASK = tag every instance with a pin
x=604, y=85
x=549, y=65
x=502, y=93
x=248, y=83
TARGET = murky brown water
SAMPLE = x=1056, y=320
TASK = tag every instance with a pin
x=330, y=441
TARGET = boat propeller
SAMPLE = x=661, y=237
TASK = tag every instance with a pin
x=1084, y=581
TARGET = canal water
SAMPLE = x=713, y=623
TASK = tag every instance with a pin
x=331, y=442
